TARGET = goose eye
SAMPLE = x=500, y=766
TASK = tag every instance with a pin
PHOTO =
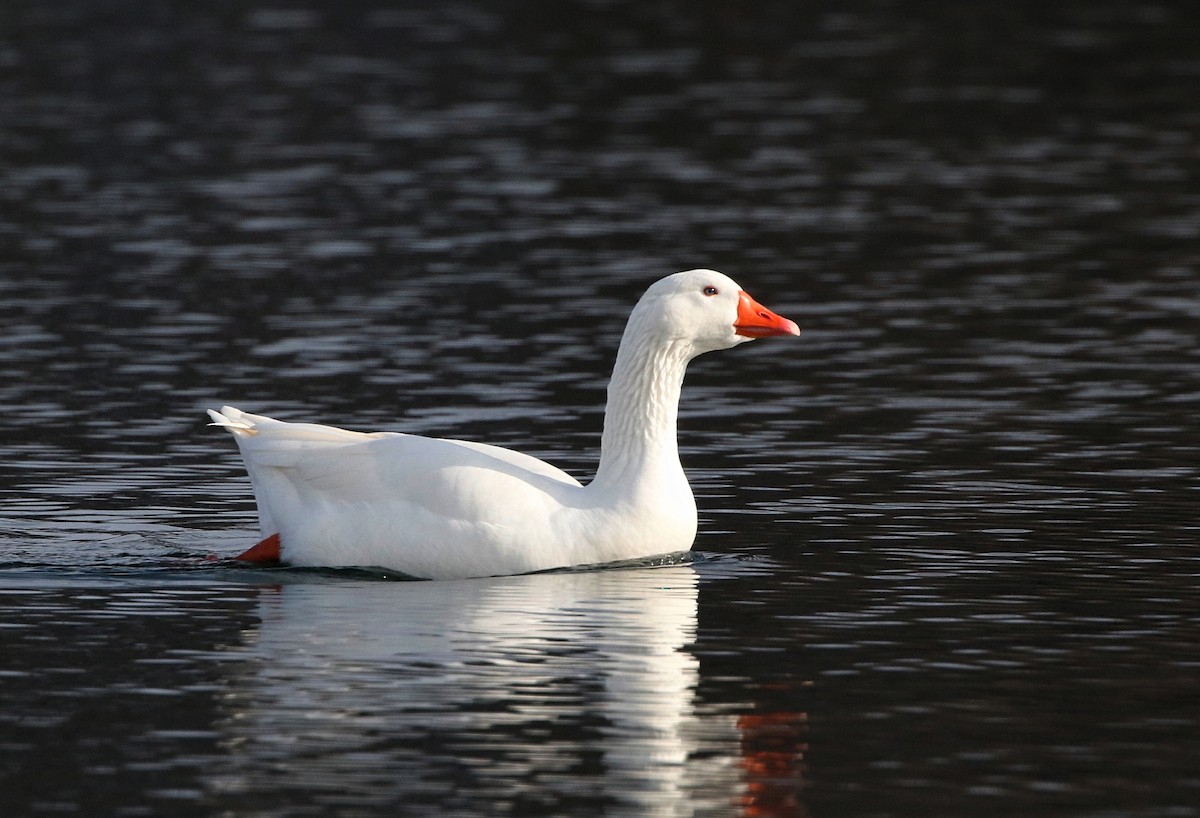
x=710, y=290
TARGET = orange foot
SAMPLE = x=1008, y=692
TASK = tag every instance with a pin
x=266, y=550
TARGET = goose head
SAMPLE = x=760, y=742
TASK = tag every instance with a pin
x=706, y=310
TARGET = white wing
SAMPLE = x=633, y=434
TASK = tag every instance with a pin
x=293, y=465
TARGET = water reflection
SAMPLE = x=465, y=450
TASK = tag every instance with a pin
x=977, y=476
x=567, y=688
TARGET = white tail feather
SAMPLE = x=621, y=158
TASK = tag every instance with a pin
x=235, y=420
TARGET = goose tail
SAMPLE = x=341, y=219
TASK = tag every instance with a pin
x=235, y=420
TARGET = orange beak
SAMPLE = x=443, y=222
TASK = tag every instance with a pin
x=756, y=321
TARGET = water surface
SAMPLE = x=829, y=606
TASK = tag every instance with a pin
x=947, y=562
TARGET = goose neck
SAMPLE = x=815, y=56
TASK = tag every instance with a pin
x=639, y=438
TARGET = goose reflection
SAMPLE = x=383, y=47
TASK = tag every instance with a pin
x=534, y=691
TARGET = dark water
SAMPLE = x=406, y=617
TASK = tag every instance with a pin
x=948, y=554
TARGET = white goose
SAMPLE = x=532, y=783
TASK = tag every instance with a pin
x=444, y=509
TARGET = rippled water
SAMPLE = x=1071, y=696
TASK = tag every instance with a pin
x=948, y=551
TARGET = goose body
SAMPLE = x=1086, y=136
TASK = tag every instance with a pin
x=441, y=509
